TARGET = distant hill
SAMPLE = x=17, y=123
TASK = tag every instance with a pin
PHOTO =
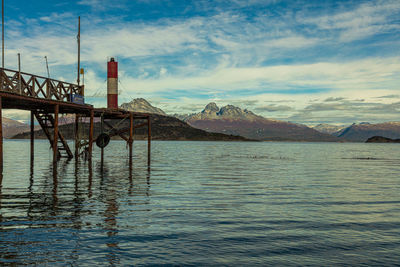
x=361, y=132
x=141, y=105
x=162, y=128
x=328, y=128
x=233, y=120
x=13, y=127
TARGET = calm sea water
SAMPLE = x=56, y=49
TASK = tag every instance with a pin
x=204, y=203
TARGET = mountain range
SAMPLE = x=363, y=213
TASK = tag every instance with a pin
x=363, y=131
x=141, y=105
x=13, y=127
x=234, y=120
x=328, y=128
x=230, y=121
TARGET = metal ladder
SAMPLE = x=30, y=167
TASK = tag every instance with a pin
x=46, y=121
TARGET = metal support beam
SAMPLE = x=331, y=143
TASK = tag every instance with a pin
x=32, y=135
x=55, y=138
x=91, y=134
x=118, y=132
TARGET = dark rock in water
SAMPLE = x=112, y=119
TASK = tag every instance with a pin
x=381, y=139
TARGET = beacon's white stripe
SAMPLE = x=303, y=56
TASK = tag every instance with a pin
x=112, y=86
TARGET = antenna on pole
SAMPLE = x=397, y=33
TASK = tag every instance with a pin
x=47, y=67
x=79, y=48
x=2, y=33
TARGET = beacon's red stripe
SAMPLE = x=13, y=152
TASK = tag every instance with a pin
x=112, y=69
x=112, y=101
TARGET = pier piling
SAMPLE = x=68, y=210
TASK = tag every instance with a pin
x=55, y=139
x=32, y=135
x=77, y=140
x=130, y=136
x=91, y=134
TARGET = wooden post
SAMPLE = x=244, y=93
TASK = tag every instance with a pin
x=76, y=136
x=32, y=135
x=148, y=141
x=1, y=137
x=130, y=137
x=91, y=134
x=55, y=139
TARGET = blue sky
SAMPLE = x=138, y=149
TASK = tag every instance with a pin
x=301, y=61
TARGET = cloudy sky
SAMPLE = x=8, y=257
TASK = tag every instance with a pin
x=305, y=61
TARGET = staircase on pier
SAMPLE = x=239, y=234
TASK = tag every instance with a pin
x=46, y=121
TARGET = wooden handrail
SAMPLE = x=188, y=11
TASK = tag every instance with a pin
x=37, y=86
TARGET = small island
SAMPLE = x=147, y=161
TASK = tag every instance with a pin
x=381, y=139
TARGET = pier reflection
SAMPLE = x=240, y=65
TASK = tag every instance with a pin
x=1, y=197
x=67, y=197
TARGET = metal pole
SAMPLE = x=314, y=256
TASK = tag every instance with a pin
x=47, y=66
x=19, y=73
x=2, y=33
x=79, y=48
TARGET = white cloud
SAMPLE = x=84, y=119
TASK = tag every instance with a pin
x=220, y=56
x=366, y=20
x=101, y=5
x=367, y=74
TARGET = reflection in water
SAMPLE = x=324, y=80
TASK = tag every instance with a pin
x=196, y=208
x=1, y=187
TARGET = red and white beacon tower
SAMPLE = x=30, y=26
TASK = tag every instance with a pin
x=112, y=83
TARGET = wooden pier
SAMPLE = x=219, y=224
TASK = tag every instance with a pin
x=46, y=98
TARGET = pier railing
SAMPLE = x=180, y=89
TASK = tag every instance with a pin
x=37, y=86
